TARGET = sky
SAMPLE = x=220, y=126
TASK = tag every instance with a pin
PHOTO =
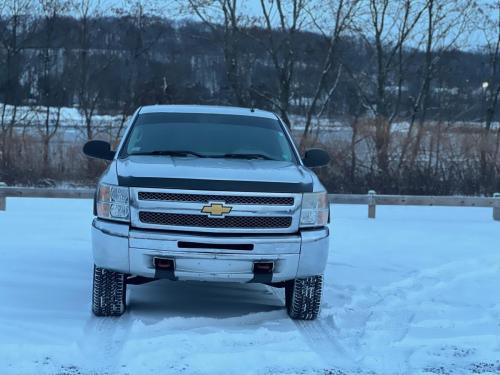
x=471, y=38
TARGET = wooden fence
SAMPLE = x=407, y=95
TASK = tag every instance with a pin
x=371, y=199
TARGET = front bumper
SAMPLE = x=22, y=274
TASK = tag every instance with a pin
x=132, y=251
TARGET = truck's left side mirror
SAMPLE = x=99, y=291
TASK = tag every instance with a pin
x=316, y=158
x=99, y=150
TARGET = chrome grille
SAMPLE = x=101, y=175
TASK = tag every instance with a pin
x=187, y=220
x=182, y=210
x=205, y=198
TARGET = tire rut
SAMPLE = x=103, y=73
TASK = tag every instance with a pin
x=319, y=337
x=104, y=340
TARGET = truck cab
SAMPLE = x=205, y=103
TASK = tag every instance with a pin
x=210, y=194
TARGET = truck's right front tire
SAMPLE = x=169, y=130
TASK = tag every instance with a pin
x=108, y=293
x=303, y=297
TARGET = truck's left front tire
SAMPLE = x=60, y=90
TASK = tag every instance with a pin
x=109, y=292
x=303, y=297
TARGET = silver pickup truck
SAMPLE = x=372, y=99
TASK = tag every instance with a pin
x=211, y=194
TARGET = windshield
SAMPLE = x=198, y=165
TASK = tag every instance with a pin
x=208, y=135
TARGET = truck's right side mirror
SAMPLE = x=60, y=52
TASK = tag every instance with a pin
x=99, y=150
x=316, y=158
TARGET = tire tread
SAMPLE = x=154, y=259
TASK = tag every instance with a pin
x=303, y=297
x=108, y=292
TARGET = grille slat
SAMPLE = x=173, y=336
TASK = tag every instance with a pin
x=186, y=220
x=206, y=198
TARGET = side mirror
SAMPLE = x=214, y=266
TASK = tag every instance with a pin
x=99, y=150
x=316, y=158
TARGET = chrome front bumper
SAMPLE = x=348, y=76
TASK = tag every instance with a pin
x=132, y=251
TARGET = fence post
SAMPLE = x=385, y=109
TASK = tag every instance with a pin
x=3, y=201
x=372, y=207
x=496, y=207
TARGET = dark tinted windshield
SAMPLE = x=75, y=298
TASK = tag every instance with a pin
x=208, y=135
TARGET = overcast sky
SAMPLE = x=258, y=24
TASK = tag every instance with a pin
x=469, y=39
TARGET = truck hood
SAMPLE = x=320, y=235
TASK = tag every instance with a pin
x=192, y=173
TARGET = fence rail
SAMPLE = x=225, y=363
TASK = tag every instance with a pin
x=372, y=200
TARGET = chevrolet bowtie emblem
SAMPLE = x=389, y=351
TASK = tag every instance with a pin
x=216, y=209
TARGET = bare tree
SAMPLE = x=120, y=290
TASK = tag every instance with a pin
x=282, y=20
x=387, y=33
x=445, y=22
x=342, y=13
x=224, y=17
x=490, y=26
x=88, y=92
x=137, y=18
x=50, y=93
x=17, y=31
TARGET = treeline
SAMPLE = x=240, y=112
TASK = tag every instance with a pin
x=415, y=102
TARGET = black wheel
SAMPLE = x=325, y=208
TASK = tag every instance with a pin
x=109, y=292
x=303, y=297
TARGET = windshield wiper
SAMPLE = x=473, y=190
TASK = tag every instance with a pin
x=248, y=156
x=170, y=153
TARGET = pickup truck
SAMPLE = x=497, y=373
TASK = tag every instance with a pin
x=209, y=193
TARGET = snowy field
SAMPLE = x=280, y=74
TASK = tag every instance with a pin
x=415, y=291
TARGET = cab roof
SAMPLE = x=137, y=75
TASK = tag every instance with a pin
x=210, y=109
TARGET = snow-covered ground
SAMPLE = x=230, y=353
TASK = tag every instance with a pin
x=415, y=291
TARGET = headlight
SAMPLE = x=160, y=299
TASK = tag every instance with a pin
x=315, y=210
x=112, y=202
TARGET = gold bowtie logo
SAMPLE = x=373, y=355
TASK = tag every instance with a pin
x=216, y=209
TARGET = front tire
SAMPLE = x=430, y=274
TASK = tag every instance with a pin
x=303, y=297
x=108, y=293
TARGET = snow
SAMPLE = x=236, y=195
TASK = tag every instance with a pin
x=31, y=120
x=414, y=291
x=69, y=116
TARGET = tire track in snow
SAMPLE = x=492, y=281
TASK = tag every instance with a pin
x=318, y=334
x=395, y=307
x=103, y=341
